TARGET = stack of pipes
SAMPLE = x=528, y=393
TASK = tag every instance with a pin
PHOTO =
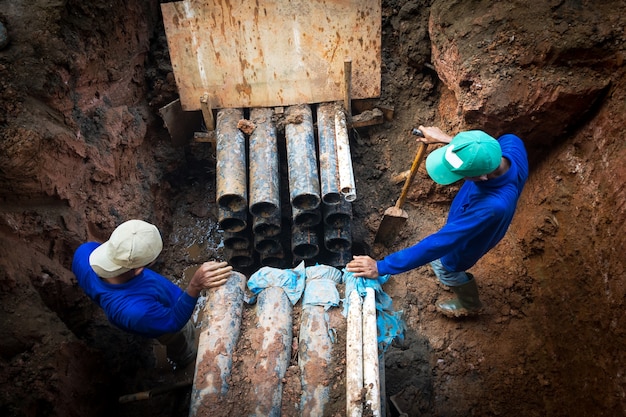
x=232, y=187
x=337, y=191
x=265, y=188
x=316, y=198
x=304, y=185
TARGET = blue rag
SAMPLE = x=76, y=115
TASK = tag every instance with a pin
x=389, y=323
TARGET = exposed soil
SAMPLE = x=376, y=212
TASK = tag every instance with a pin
x=83, y=148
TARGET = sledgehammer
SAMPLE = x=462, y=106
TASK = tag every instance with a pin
x=395, y=217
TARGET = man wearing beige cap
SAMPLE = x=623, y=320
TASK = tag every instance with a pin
x=116, y=276
x=494, y=174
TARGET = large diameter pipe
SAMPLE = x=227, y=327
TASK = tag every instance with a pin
x=264, y=174
x=344, y=159
x=329, y=170
x=304, y=187
x=317, y=338
x=314, y=358
x=231, y=168
x=371, y=375
x=354, y=356
x=274, y=319
x=219, y=332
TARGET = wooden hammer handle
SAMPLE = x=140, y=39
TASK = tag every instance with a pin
x=419, y=156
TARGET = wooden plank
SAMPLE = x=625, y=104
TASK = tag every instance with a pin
x=279, y=53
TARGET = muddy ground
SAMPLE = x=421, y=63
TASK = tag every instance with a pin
x=83, y=148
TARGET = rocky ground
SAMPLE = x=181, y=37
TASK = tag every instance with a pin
x=83, y=148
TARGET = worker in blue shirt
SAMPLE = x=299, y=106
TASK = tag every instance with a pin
x=116, y=276
x=494, y=174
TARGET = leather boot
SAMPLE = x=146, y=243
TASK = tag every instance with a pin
x=467, y=302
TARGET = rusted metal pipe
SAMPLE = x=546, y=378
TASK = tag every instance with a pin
x=329, y=170
x=267, y=244
x=338, y=239
x=304, y=187
x=264, y=174
x=239, y=258
x=304, y=242
x=317, y=338
x=306, y=218
x=236, y=241
x=231, y=168
x=267, y=226
x=232, y=221
x=274, y=260
x=338, y=215
x=274, y=315
x=219, y=332
x=339, y=259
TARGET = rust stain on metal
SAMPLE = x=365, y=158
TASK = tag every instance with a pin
x=278, y=54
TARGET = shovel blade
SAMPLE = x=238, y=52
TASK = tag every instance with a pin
x=391, y=224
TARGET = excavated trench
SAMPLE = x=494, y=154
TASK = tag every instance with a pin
x=83, y=148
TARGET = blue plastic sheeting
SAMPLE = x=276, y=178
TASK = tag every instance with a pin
x=390, y=324
x=290, y=280
x=321, y=286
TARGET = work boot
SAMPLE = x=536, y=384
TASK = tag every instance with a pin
x=467, y=302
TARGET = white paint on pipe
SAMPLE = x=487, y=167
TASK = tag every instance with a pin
x=354, y=357
x=344, y=159
x=371, y=375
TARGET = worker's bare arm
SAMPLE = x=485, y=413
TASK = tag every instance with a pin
x=434, y=135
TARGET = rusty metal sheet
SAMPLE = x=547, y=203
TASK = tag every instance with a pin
x=274, y=52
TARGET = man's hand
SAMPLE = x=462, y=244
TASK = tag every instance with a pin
x=434, y=135
x=209, y=275
x=363, y=266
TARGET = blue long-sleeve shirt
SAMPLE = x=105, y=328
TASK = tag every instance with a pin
x=149, y=305
x=479, y=217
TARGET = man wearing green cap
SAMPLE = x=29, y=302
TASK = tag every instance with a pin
x=494, y=174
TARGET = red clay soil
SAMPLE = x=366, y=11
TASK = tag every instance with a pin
x=83, y=148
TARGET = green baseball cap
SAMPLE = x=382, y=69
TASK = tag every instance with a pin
x=469, y=154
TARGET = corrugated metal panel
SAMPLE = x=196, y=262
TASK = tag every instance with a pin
x=273, y=53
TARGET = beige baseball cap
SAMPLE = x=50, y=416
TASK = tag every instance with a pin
x=132, y=244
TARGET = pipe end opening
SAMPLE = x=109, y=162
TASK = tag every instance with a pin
x=264, y=209
x=233, y=225
x=306, y=201
x=306, y=250
x=232, y=202
x=331, y=198
x=307, y=219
